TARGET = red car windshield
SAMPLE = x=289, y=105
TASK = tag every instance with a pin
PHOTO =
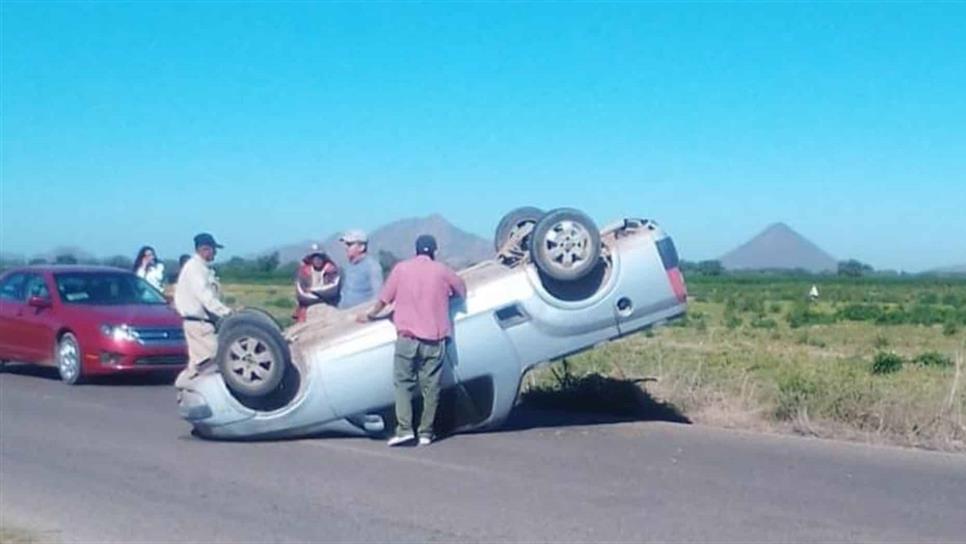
x=105, y=288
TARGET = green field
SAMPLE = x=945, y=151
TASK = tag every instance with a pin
x=878, y=360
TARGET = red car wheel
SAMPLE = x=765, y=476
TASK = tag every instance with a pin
x=68, y=357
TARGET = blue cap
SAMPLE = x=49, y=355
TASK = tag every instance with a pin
x=205, y=239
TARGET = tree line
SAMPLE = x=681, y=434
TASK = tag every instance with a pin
x=850, y=268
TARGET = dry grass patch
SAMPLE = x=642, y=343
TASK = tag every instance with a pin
x=817, y=381
x=9, y=535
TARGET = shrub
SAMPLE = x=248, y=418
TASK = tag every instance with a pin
x=933, y=358
x=886, y=363
x=764, y=323
x=732, y=321
x=881, y=342
x=802, y=314
x=922, y=314
x=795, y=392
x=892, y=316
x=860, y=312
x=752, y=305
x=950, y=328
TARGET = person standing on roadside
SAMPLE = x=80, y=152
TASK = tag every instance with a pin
x=149, y=268
x=421, y=289
x=316, y=283
x=196, y=298
x=362, y=276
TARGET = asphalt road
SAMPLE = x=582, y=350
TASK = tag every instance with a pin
x=112, y=462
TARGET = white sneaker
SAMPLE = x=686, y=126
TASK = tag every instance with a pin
x=425, y=440
x=399, y=440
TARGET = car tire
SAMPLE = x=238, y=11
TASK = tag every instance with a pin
x=246, y=316
x=252, y=356
x=565, y=244
x=70, y=364
x=512, y=221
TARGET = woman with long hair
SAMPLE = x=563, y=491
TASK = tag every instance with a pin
x=149, y=268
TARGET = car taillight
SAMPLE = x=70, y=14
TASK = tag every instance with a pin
x=669, y=257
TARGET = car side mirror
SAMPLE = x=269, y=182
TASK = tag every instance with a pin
x=39, y=302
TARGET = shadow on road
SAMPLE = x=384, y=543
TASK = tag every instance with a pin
x=593, y=399
x=49, y=373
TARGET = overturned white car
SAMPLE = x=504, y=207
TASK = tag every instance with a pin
x=557, y=286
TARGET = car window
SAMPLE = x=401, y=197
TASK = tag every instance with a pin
x=36, y=286
x=105, y=288
x=12, y=288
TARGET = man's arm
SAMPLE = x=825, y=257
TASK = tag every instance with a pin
x=456, y=283
x=303, y=286
x=386, y=296
x=208, y=297
x=332, y=287
x=373, y=312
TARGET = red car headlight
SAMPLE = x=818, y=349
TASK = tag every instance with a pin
x=119, y=333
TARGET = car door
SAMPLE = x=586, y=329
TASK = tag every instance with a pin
x=36, y=323
x=12, y=302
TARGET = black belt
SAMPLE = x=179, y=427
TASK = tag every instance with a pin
x=193, y=318
x=410, y=336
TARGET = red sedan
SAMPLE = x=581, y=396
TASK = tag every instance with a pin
x=87, y=321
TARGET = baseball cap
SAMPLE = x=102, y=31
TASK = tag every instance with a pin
x=205, y=239
x=425, y=244
x=354, y=236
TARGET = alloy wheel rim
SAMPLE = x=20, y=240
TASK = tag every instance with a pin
x=68, y=358
x=518, y=228
x=567, y=244
x=250, y=360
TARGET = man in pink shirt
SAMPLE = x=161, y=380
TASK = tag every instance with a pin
x=421, y=289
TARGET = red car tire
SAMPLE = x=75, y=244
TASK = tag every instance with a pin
x=70, y=364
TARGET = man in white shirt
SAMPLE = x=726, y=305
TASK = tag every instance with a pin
x=196, y=298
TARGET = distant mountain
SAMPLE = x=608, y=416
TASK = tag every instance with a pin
x=779, y=247
x=457, y=248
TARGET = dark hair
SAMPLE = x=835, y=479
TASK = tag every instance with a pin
x=141, y=252
x=426, y=245
x=183, y=259
x=325, y=257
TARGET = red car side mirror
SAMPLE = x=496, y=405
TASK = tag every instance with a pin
x=39, y=302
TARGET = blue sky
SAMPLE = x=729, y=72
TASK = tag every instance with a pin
x=271, y=123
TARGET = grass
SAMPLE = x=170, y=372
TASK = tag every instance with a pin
x=762, y=357
x=872, y=360
x=10, y=535
x=270, y=297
